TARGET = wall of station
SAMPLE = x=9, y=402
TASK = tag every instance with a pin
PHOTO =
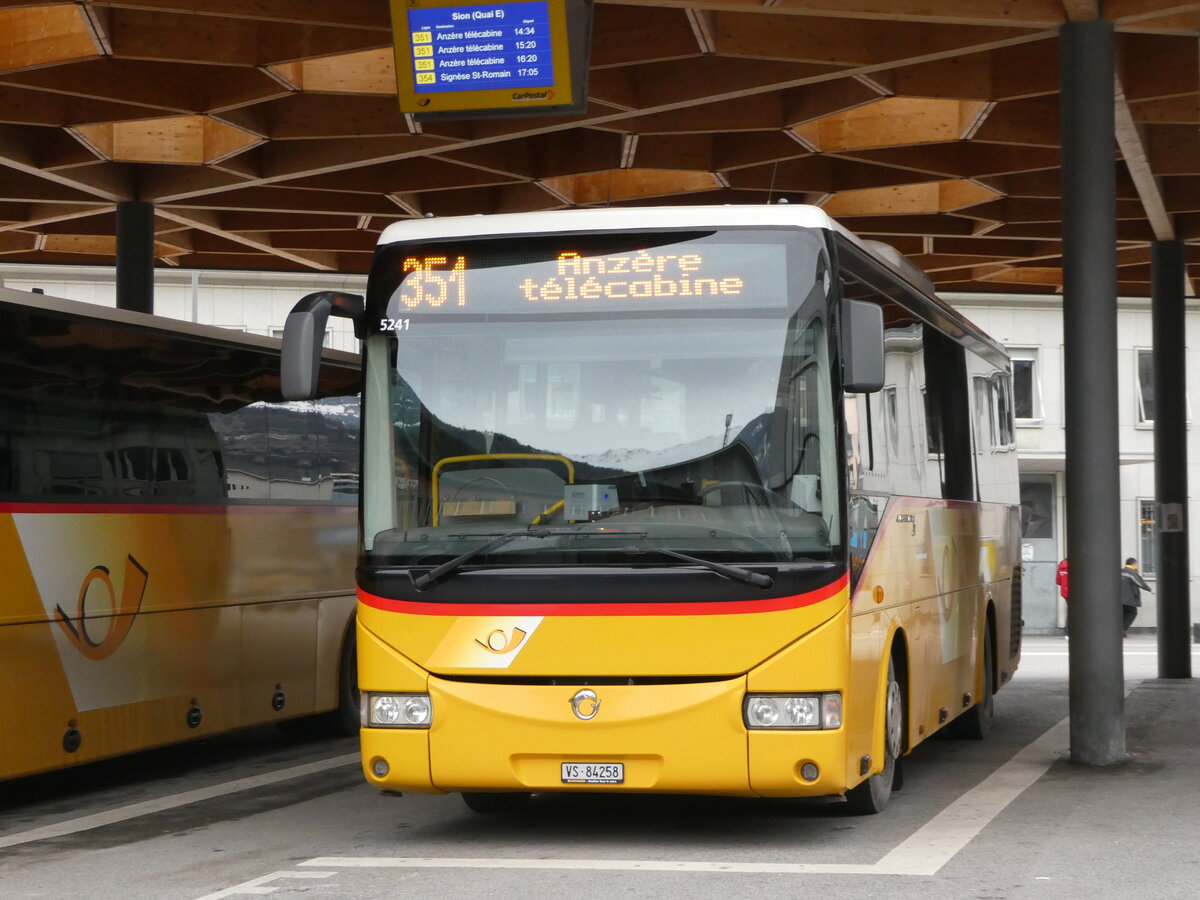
x=1031, y=328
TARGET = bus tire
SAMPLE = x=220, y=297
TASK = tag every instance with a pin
x=872, y=795
x=345, y=719
x=342, y=720
x=976, y=722
x=490, y=803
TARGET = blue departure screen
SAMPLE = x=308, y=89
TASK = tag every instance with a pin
x=481, y=47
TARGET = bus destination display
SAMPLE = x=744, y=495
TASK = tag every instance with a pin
x=725, y=275
x=463, y=59
x=458, y=48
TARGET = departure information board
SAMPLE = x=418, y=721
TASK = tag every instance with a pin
x=568, y=276
x=464, y=48
x=457, y=59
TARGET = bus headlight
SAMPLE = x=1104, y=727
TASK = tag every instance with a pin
x=397, y=711
x=795, y=711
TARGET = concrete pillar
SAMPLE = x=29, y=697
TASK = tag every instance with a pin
x=1170, y=460
x=1090, y=344
x=135, y=256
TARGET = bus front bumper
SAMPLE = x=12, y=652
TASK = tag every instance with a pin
x=660, y=738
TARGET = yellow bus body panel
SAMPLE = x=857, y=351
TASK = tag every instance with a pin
x=924, y=595
x=687, y=736
x=932, y=576
x=680, y=737
x=114, y=624
x=406, y=751
x=818, y=662
x=726, y=644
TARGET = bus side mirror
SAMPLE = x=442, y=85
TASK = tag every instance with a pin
x=862, y=347
x=303, y=334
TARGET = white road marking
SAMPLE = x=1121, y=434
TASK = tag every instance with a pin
x=631, y=865
x=258, y=886
x=1064, y=652
x=937, y=841
x=171, y=801
x=923, y=853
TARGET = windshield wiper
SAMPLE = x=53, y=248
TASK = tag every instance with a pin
x=733, y=573
x=448, y=568
x=452, y=566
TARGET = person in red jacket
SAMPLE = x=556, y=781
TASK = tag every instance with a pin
x=1060, y=579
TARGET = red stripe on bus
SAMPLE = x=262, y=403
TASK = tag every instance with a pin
x=730, y=607
x=167, y=509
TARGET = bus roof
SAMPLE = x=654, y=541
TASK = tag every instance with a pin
x=160, y=324
x=612, y=219
x=649, y=218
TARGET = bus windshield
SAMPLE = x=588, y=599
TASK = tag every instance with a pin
x=613, y=395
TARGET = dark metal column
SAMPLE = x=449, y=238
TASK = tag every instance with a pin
x=135, y=256
x=1090, y=344
x=1170, y=460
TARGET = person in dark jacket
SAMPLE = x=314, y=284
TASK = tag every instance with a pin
x=1132, y=585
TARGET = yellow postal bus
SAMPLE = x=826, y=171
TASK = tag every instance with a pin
x=704, y=500
x=178, y=544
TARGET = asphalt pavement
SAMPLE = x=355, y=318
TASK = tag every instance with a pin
x=254, y=814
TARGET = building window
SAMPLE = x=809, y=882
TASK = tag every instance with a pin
x=1027, y=390
x=1144, y=360
x=1037, y=508
x=1145, y=386
x=1147, y=536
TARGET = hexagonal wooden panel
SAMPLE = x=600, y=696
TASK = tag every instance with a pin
x=267, y=133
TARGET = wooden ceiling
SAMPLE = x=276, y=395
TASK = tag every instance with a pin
x=267, y=134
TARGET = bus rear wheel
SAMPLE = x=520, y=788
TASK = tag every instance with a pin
x=872, y=795
x=976, y=722
x=496, y=803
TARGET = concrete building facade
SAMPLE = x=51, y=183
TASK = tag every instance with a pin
x=1031, y=328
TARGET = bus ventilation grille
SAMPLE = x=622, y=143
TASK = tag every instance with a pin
x=1014, y=621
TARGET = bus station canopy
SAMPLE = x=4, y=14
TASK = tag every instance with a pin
x=267, y=133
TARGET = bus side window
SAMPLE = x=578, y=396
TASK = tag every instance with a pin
x=993, y=429
x=948, y=405
x=892, y=443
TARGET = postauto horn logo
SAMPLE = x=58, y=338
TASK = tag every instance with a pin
x=119, y=615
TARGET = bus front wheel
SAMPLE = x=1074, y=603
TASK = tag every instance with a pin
x=872, y=795
x=345, y=719
x=342, y=720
